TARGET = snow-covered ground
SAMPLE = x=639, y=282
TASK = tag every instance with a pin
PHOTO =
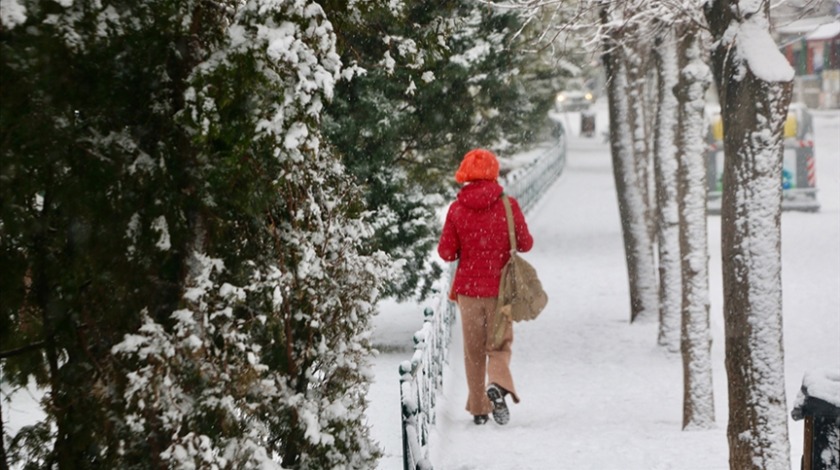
x=597, y=393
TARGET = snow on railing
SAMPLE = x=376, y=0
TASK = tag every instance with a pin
x=422, y=376
x=529, y=183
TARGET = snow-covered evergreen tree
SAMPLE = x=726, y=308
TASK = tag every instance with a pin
x=185, y=264
x=438, y=79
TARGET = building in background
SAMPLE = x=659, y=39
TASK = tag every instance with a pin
x=808, y=32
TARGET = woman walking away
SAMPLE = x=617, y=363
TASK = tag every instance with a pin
x=476, y=234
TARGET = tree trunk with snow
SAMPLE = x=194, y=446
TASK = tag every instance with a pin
x=630, y=186
x=698, y=393
x=755, y=84
x=640, y=99
x=667, y=208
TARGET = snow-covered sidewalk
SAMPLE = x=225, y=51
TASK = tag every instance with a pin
x=597, y=393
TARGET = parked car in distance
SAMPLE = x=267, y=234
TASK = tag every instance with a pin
x=573, y=100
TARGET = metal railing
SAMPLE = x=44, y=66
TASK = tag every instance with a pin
x=529, y=183
x=422, y=376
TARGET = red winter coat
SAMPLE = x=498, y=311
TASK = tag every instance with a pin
x=475, y=232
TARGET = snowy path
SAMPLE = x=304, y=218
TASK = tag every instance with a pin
x=596, y=391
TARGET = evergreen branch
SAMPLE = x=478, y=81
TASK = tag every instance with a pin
x=22, y=350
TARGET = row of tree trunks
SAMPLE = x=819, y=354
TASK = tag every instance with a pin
x=754, y=103
x=630, y=181
x=679, y=162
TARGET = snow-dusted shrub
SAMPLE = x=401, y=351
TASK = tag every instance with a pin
x=190, y=265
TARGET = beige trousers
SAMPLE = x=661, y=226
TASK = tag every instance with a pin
x=483, y=363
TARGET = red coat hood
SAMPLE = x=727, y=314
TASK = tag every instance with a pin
x=475, y=232
x=480, y=195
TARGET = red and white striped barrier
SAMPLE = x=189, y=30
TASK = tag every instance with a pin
x=811, y=165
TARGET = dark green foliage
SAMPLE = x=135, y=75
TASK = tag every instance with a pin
x=139, y=188
x=405, y=146
x=185, y=265
x=85, y=139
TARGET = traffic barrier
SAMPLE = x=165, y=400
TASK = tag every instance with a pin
x=799, y=177
x=799, y=172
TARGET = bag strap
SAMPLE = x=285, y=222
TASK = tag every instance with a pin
x=509, y=216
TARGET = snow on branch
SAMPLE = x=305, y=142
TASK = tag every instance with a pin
x=12, y=13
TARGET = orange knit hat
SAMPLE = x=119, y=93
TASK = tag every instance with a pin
x=478, y=164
